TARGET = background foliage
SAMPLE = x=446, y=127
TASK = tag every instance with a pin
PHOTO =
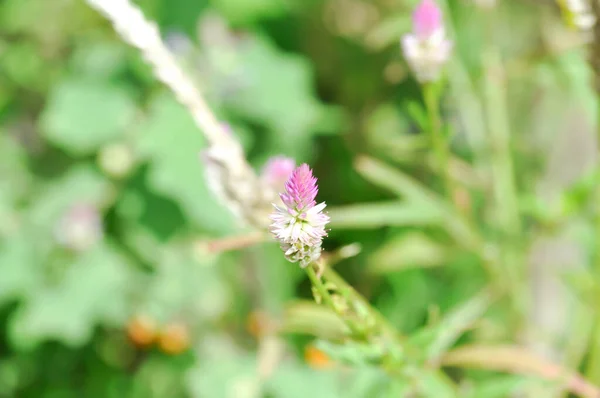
x=107, y=284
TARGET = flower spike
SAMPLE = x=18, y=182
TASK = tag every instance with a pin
x=299, y=225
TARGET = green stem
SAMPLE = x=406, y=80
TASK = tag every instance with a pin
x=505, y=189
x=593, y=369
x=438, y=141
x=411, y=353
x=328, y=300
x=382, y=322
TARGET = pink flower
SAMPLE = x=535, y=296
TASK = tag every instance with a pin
x=277, y=171
x=299, y=225
x=427, y=49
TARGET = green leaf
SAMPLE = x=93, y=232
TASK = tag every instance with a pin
x=456, y=323
x=15, y=179
x=380, y=214
x=279, y=94
x=81, y=184
x=185, y=284
x=99, y=58
x=397, y=182
x=81, y=115
x=406, y=251
x=500, y=387
x=247, y=11
x=432, y=384
x=389, y=30
x=232, y=375
x=171, y=142
x=18, y=272
x=295, y=380
x=307, y=317
x=93, y=291
x=25, y=66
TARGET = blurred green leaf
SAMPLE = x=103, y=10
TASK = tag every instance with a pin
x=171, y=142
x=81, y=115
x=453, y=325
x=229, y=376
x=431, y=384
x=499, y=387
x=18, y=268
x=247, y=11
x=99, y=58
x=81, y=184
x=293, y=380
x=396, y=181
x=406, y=251
x=184, y=286
x=388, y=31
x=380, y=214
x=307, y=317
x=280, y=94
x=15, y=179
x=93, y=290
x=24, y=65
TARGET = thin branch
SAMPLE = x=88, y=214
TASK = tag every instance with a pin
x=135, y=29
x=228, y=172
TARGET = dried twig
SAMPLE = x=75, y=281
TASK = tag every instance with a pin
x=232, y=177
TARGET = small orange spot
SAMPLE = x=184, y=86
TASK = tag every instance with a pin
x=174, y=339
x=142, y=330
x=257, y=324
x=462, y=199
x=316, y=358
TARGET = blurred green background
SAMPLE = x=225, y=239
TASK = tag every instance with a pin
x=107, y=286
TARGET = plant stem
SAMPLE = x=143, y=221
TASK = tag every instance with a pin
x=326, y=296
x=382, y=322
x=411, y=353
x=516, y=360
x=505, y=189
x=438, y=141
x=593, y=370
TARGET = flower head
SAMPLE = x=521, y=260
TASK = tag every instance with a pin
x=427, y=49
x=299, y=225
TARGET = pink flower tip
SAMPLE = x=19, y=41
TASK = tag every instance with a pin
x=427, y=18
x=300, y=189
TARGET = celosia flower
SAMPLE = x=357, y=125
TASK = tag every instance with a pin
x=277, y=171
x=427, y=49
x=299, y=225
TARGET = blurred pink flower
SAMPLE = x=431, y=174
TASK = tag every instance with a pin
x=277, y=170
x=427, y=49
x=79, y=228
x=299, y=225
